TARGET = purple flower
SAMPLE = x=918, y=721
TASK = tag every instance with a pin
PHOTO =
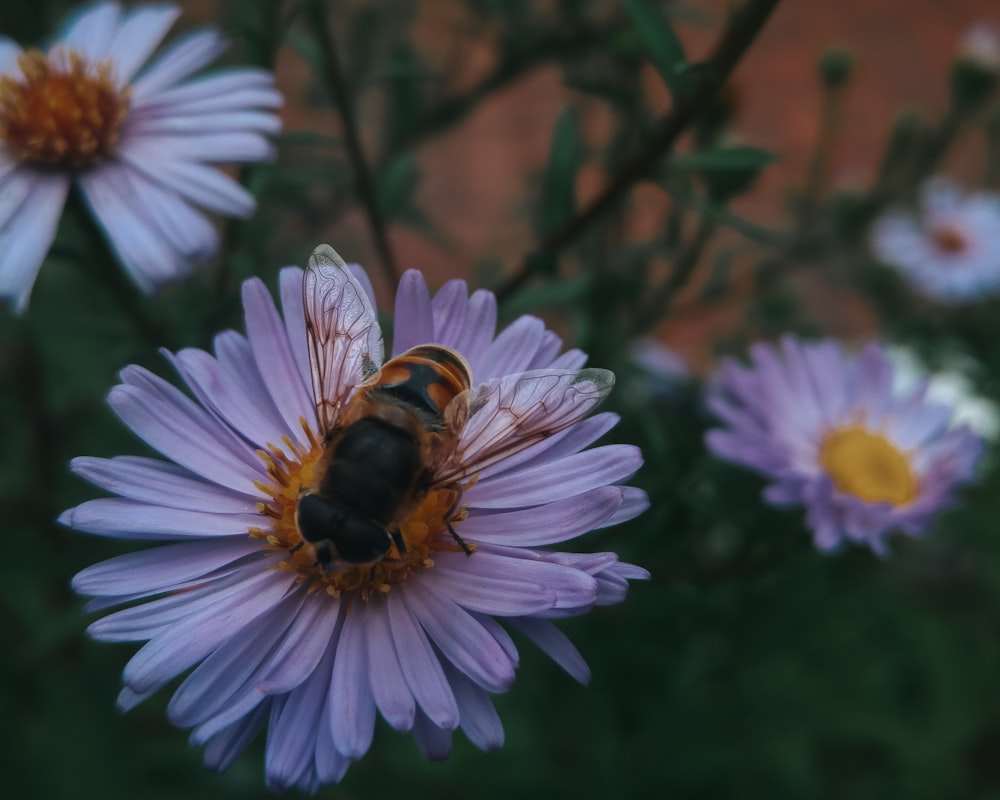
x=951, y=250
x=135, y=137
x=276, y=640
x=834, y=432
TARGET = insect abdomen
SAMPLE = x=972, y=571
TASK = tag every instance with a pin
x=374, y=469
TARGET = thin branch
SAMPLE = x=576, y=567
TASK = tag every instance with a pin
x=744, y=26
x=516, y=61
x=364, y=185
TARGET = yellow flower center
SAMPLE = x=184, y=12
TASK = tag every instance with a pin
x=64, y=112
x=867, y=465
x=293, y=468
x=948, y=240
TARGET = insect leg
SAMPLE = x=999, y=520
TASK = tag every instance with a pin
x=469, y=549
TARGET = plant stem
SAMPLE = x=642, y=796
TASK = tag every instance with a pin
x=661, y=298
x=363, y=183
x=743, y=27
x=515, y=62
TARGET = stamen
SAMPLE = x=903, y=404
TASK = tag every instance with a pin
x=949, y=240
x=293, y=469
x=63, y=111
x=867, y=465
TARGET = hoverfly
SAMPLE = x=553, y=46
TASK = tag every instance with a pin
x=393, y=433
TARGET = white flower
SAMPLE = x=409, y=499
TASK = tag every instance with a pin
x=950, y=386
x=951, y=251
x=135, y=137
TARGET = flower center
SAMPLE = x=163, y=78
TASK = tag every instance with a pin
x=292, y=468
x=64, y=112
x=948, y=240
x=867, y=465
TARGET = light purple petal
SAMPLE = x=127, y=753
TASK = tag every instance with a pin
x=295, y=718
x=220, y=677
x=546, y=524
x=202, y=185
x=390, y=690
x=223, y=749
x=414, y=322
x=141, y=29
x=91, y=30
x=119, y=210
x=350, y=705
x=292, y=311
x=160, y=568
x=161, y=483
x=273, y=352
x=127, y=519
x=571, y=586
x=480, y=720
x=420, y=665
x=556, y=645
x=143, y=622
x=183, y=645
x=184, y=57
x=434, y=742
x=183, y=432
x=28, y=234
x=223, y=90
x=556, y=480
x=461, y=639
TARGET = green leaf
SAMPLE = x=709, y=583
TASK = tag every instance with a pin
x=547, y=295
x=661, y=43
x=724, y=159
x=396, y=185
x=559, y=196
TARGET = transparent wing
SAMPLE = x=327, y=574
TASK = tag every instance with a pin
x=342, y=333
x=513, y=413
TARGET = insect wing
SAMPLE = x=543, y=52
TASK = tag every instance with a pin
x=342, y=332
x=513, y=413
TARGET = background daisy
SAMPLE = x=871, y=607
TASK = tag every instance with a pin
x=950, y=250
x=831, y=431
x=98, y=110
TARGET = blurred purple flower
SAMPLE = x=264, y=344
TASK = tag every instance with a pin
x=833, y=432
x=313, y=656
x=135, y=139
x=951, y=250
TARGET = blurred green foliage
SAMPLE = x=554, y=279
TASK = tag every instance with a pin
x=751, y=666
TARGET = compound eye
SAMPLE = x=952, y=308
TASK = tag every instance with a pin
x=337, y=533
x=317, y=518
x=359, y=541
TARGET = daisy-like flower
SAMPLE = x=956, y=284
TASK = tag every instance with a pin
x=135, y=137
x=834, y=432
x=951, y=250
x=296, y=634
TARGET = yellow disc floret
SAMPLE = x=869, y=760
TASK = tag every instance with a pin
x=62, y=111
x=867, y=465
x=292, y=469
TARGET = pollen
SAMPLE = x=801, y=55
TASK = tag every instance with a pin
x=62, y=111
x=294, y=468
x=867, y=465
x=949, y=240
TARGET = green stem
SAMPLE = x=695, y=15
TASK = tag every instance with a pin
x=110, y=270
x=659, y=301
x=744, y=26
x=339, y=91
x=516, y=61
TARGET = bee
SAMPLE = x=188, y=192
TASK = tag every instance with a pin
x=393, y=433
